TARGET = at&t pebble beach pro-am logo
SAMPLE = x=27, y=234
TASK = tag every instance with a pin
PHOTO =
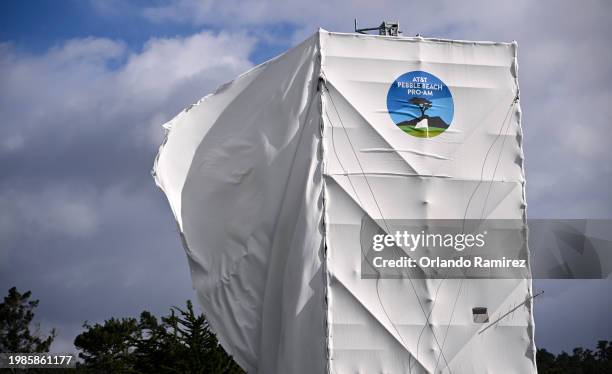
x=420, y=104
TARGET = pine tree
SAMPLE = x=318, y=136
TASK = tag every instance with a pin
x=16, y=316
x=197, y=348
x=180, y=343
x=108, y=347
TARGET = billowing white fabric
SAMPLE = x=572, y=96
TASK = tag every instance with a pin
x=271, y=177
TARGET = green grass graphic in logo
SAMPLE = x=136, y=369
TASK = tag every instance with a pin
x=421, y=132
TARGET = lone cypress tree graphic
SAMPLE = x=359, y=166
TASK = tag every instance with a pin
x=422, y=103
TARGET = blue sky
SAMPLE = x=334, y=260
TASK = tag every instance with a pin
x=85, y=86
x=34, y=26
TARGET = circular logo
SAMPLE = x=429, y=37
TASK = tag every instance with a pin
x=420, y=104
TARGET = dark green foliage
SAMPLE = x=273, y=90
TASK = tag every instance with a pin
x=109, y=347
x=194, y=346
x=180, y=343
x=16, y=315
x=581, y=361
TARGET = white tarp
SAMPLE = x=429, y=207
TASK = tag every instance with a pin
x=271, y=177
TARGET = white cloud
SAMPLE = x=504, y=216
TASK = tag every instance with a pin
x=231, y=12
x=54, y=210
x=77, y=120
x=166, y=65
x=97, y=82
x=12, y=143
x=87, y=50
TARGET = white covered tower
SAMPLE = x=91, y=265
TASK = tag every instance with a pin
x=271, y=177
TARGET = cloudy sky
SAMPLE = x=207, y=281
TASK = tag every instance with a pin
x=85, y=86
